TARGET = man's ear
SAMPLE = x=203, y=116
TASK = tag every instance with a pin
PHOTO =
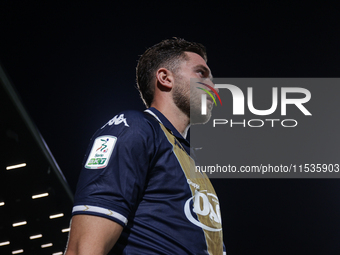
x=165, y=79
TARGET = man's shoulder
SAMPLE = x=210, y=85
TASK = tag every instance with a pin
x=124, y=117
x=130, y=121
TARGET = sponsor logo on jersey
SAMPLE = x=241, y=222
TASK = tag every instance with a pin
x=101, y=152
x=116, y=120
x=202, y=209
x=204, y=204
x=195, y=185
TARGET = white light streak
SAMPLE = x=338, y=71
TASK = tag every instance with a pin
x=40, y=195
x=15, y=166
x=36, y=236
x=65, y=230
x=2, y=203
x=4, y=243
x=58, y=253
x=56, y=216
x=18, y=251
x=46, y=245
x=21, y=223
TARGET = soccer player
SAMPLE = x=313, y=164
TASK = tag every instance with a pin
x=138, y=192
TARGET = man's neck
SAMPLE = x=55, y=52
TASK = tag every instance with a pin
x=177, y=118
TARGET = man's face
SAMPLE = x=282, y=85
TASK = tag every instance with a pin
x=186, y=95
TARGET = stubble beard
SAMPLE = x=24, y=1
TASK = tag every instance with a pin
x=191, y=108
x=181, y=96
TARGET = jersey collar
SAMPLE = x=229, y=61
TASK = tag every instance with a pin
x=162, y=119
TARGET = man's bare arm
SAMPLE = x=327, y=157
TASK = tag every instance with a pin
x=92, y=235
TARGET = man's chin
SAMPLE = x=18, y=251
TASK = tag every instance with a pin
x=199, y=118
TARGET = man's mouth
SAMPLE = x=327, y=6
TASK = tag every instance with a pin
x=210, y=99
x=210, y=103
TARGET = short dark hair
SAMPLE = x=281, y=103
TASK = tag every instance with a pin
x=168, y=54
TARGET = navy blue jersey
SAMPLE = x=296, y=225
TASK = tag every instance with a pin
x=138, y=172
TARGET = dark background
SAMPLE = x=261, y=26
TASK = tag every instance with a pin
x=73, y=65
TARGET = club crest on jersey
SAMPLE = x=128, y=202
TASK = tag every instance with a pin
x=116, y=120
x=101, y=152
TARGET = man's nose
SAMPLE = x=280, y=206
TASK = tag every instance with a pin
x=210, y=82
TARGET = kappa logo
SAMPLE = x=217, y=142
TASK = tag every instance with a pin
x=116, y=120
x=203, y=207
